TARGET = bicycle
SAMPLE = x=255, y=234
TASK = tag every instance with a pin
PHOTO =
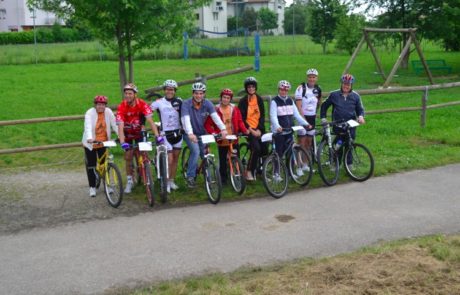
x=161, y=168
x=144, y=169
x=275, y=171
x=208, y=167
x=235, y=167
x=245, y=153
x=108, y=172
x=357, y=158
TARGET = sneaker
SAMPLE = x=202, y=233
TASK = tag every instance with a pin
x=277, y=178
x=191, y=182
x=249, y=176
x=92, y=192
x=129, y=186
x=168, y=187
x=305, y=168
x=299, y=172
x=173, y=185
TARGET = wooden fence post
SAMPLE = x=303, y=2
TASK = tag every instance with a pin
x=423, y=109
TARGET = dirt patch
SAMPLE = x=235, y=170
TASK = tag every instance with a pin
x=284, y=218
x=53, y=197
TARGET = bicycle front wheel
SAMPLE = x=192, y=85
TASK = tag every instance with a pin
x=359, y=163
x=237, y=175
x=328, y=164
x=149, y=184
x=184, y=163
x=212, y=181
x=113, y=185
x=275, y=176
x=300, y=167
x=163, y=177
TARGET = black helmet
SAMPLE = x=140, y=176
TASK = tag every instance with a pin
x=250, y=81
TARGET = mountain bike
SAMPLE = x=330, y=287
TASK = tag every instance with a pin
x=235, y=167
x=161, y=168
x=144, y=170
x=108, y=172
x=245, y=154
x=275, y=171
x=208, y=167
x=357, y=158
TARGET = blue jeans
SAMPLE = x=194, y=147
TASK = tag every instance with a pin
x=196, y=149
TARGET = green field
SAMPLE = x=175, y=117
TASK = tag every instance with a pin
x=396, y=140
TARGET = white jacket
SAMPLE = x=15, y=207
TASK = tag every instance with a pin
x=89, y=131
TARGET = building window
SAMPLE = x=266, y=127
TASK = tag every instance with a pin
x=2, y=13
x=215, y=16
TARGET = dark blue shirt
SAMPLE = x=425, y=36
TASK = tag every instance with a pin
x=343, y=107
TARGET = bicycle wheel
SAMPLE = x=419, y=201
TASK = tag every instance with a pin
x=300, y=166
x=358, y=162
x=149, y=184
x=212, y=181
x=185, y=156
x=328, y=164
x=245, y=153
x=137, y=174
x=113, y=185
x=98, y=179
x=237, y=175
x=275, y=176
x=163, y=177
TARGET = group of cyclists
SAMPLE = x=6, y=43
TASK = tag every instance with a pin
x=187, y=120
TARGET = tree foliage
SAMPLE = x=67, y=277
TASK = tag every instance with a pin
x=128, y=25
x=248, y=19
x=323, y=16
x=268, y=19
x=295, y=17
x=349, y=32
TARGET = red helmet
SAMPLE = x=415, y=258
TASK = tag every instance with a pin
x=100, y=99
x=226, y=91
x=347, y=79
x=130, y=86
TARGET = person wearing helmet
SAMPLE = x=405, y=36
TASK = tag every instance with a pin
x=231, y=116
x=194, y=113
x=252, y=110
x=130, y=115
x=346, y=105
x=99, y=125
x=282, y=114
x=308, y=100
x=168, y=108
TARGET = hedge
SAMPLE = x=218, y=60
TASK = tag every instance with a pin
x=56, y=34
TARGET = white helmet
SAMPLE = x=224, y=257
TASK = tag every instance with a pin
x=284, y=85
x=198, y=86
x=312, y=72
x=170, y=83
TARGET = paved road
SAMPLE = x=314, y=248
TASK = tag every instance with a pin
x=88, y=258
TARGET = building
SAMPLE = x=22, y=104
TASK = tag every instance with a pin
x=16, y=16
x=214, y=16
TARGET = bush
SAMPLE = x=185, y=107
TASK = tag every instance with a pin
x=56, y=34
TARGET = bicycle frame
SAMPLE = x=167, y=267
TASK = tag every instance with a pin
x=159, y=150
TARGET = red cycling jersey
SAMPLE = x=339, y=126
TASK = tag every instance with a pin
x=131, y=116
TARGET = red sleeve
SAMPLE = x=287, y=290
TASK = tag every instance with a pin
x=145, y=108
x=120, y=113
x=239, y=120
x=210, y=126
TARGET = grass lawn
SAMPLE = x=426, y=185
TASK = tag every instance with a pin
x=396, y=140
x=427, y=265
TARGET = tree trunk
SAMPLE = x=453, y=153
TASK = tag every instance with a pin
x=121, y=61
x=130, y=60
x=324, y=46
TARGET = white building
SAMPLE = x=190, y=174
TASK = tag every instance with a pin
x=214, y=16
x=16, y=16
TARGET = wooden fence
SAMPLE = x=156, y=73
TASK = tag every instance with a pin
x=422, y=108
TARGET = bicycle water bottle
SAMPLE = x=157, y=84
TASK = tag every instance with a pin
x=144, y=136
x=338, y=144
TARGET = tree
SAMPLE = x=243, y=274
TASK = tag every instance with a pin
x=295, y=14
x=128, y=25
x=268, y=19
x=323, y=18
x=249, y=19
x=349, y=32
x=231, y=23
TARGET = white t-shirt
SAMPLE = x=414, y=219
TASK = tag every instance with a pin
x=169, y=113
x=309, y=101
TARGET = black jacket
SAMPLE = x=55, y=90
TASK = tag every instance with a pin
x=243, y=106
